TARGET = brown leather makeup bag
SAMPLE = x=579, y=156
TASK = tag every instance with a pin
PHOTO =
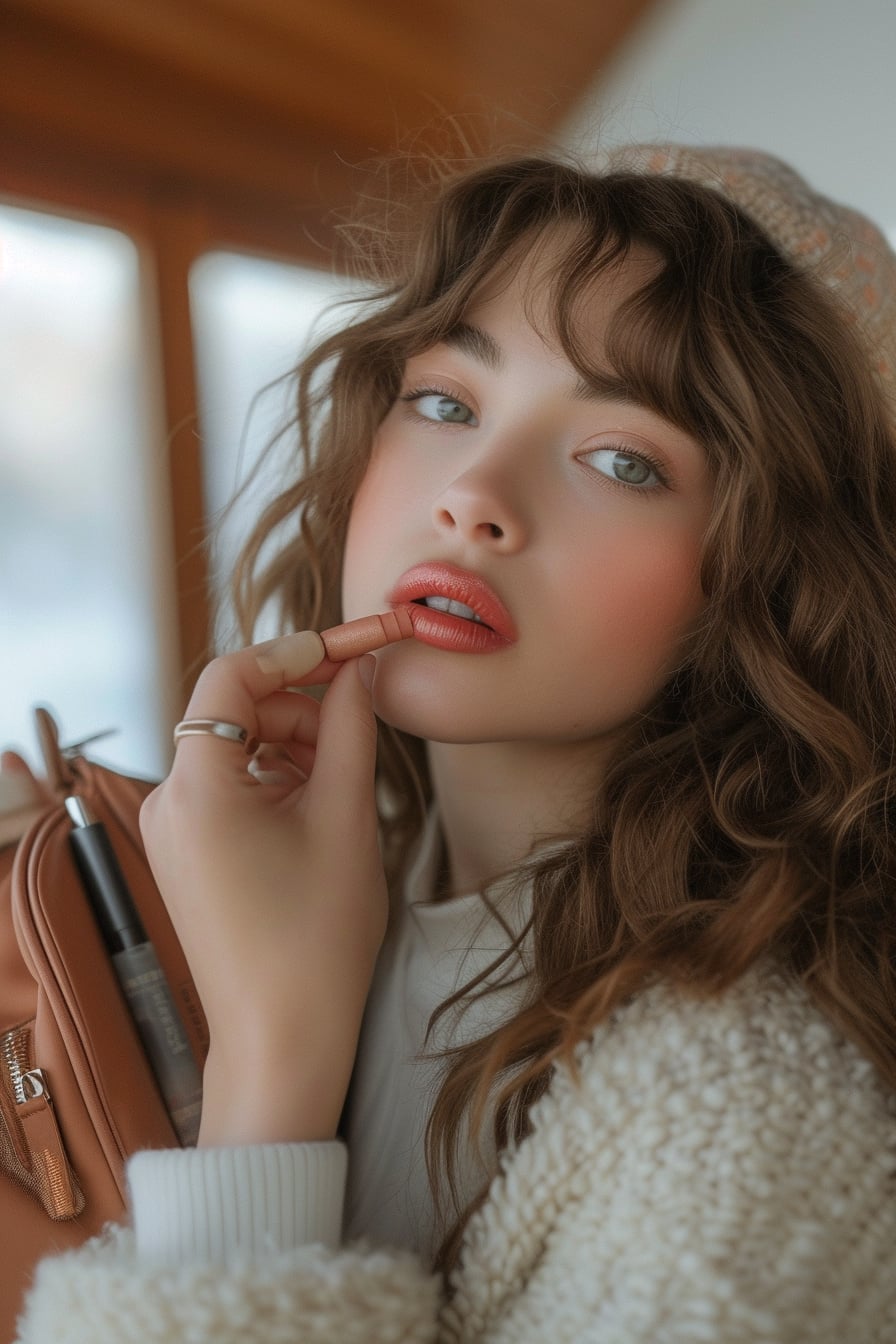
x=77, y=1096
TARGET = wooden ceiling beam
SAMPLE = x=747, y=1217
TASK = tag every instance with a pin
x=356, y=84
x=67, y=107
x=270, y=107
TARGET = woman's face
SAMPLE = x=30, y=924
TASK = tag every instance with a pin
x=568, y=520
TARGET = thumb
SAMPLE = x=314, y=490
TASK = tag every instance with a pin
x=20, y=777
x=342, y=779
x=14, y=764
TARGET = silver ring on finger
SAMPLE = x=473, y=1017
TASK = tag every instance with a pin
x=230, y=732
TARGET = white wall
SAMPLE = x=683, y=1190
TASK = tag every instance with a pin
x=809, y=80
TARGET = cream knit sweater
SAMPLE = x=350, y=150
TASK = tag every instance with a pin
x=721, y=1171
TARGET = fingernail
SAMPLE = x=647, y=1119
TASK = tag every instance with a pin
x=293, y=655
x=366, y=669
x=263, y=776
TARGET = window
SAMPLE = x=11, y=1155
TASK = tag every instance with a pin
x=252, y=319
x=84, y=538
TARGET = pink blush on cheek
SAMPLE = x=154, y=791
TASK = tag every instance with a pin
x=367, y=548
x=385, y=501
x=639, y=611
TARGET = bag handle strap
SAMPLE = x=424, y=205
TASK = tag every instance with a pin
x=59, y=760
x=59, y=773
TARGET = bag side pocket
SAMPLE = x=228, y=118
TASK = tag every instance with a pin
x=31, y=1149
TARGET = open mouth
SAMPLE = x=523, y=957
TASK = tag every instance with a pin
x=454, y=608
x=436, y=602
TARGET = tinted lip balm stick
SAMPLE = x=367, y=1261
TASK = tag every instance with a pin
x=136, y=965
x=355, y=638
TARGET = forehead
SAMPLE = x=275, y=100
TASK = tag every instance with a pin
x=550, y=284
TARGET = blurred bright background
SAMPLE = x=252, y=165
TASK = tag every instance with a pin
x=94, y=606
x=79, y=604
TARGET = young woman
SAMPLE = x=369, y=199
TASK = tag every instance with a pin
x=622, y=1059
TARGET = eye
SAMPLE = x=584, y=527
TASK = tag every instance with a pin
x=620, y=464
x=440, y=407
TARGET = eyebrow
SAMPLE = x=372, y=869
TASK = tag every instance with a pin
x=477, y=343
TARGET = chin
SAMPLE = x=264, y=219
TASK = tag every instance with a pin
x=429, y=715
x=423, y=723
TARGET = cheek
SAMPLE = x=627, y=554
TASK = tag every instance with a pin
x=643, y=599
x=365, y=532
x=381, y=501
x=364, y=521
x=395, y=491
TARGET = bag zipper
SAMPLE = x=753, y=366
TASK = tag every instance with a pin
x=31, y=1147
x=30, y=937
x=15, y=1057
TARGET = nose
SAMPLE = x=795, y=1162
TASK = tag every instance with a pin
x=482, y=506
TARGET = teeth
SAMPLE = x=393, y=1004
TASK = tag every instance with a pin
x=453, y=608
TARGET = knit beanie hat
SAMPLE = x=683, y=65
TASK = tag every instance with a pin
x=838, y=245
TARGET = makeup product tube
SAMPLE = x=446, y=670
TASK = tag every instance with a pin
x=136, y=965
x=354, y=638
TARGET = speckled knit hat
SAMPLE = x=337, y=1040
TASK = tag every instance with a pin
x=841, y=247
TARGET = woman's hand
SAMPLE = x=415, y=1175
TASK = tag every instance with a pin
x=275, y=885
x=23, y=797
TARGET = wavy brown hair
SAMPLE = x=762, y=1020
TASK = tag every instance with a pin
x=749, y=812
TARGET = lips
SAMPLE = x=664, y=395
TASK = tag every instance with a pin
x=493, y=629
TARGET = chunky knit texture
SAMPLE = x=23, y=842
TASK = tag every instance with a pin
x=721, y=1171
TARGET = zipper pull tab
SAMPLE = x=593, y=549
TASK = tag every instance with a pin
x=60, y=1197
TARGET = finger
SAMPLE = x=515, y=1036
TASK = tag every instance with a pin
x=22, y=798
x=342, y=781
x=296, y=660
x=287, y=726
x=14, y=764
x=261, y=669
x=280, y=766
x=287, y=717
x=11, y=763
x=231, y=688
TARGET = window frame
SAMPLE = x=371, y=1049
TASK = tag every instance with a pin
x=171, y=228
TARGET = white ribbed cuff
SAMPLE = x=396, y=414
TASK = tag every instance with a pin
x=211, y=1204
